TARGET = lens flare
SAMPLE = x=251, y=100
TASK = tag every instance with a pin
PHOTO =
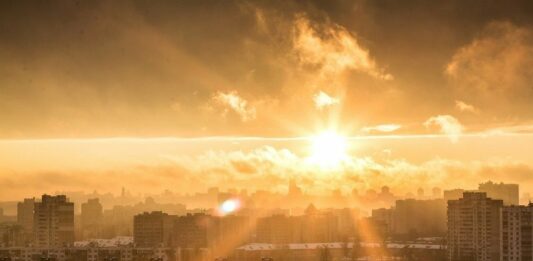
x=229, y=206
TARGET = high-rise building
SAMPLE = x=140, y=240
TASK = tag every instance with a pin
x=53, y=221
x=152, y=229
x=420, y=217
x=277, y=229
x=474, y=228
x=194, y=231
x=315, y=226
x=453, y=194
x=509, y=193
x=91, y=218
x=384, y=216
x=11, y=235
x=517, y=233
x=25, y=218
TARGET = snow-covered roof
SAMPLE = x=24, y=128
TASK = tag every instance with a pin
x=332, y=245
x=113, y=242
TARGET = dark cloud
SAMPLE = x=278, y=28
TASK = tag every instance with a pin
x=494, y=71
x=118, y=68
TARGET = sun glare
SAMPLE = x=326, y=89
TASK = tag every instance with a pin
x=328, y=149
x=229, y=206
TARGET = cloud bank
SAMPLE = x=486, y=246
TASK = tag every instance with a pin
x=269, y=167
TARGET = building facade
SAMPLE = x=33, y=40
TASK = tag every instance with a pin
x=517, y=234
x=474, y=228
x=152, y=229
x=509, y=193
x=93, y=253
x=53, y=221
x=91, y=218
x=25, y=218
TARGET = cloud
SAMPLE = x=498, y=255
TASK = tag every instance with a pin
x=465, y=107
x=231, y=100
x=333, y=49
x=447, y=124
x=198, y=165
x=323, y=100
x=272, y=167
x=523, y=128
x=495, y=70
x=382, y=128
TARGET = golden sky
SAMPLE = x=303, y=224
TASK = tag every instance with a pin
x=201, y=93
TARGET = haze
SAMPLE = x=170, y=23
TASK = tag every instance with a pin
x=157, y=95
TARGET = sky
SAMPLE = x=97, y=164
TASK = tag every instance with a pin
x=185, y=95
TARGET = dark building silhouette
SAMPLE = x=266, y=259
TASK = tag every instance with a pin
x=453, y=194
x=194, y=231
x=152, y=229
x=419, y=217
x=509, y=193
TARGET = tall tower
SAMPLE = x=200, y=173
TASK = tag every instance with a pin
x=294, y=190
x=53, y=221
x=91, y=218
x=25, y=217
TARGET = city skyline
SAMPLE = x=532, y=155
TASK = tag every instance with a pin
x=485, y=224
x=280, y=130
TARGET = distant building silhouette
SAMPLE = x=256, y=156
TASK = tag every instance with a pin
x=384, y=216
x=420, y=217
x=509, y=193
x=91, y=218
x=53, y=221
x=453, y=194
x=437, y=192
x=420, y=193
x=25, y=218
x=294, y=190
x=412, y=218
x=314, y=226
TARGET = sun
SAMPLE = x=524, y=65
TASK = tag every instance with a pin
x=328, y=149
